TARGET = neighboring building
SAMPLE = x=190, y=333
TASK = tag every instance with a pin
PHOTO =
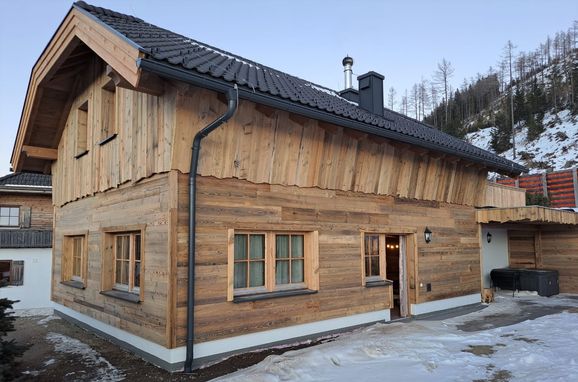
x=560, y=187
x=314, y=211
x=26, y=239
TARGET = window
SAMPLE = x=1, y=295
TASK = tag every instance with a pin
x=127, y=262
x=108, y=112
x=123, y=263
x=266, y=262
x=9, y=216
x=81, y=130
x=11, y=272
x=379, y=256
x=74, y=260
x=372, y=255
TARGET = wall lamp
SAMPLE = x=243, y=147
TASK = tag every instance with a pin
x=489, y=237
x=427, y=235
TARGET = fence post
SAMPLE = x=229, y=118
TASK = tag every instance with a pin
x=544, y=185
x=575, y=181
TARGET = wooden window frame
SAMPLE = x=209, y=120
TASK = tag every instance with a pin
x=68, y=256
x=9, y=207
x=81, y=141
x=368, y=280
x=310, y=264
x=108, y=112
x=109, y=287
x=11, y=281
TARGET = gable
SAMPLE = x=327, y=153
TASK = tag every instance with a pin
x=51, y=87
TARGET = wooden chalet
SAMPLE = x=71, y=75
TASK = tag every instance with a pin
x=310, y=208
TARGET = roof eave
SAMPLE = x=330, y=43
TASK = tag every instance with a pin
x=163, y=69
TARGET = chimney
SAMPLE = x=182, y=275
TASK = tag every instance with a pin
x=371, y=92
x=349, y=93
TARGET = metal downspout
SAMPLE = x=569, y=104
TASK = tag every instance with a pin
x=233, y=102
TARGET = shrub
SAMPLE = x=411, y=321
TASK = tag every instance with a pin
x=9, y=350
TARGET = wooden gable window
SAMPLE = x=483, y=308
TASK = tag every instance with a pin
x=74, y=260
x=81, y=130
x=270, y=264
x=9, y=216
x=123, y=260
x=11, y=272
x=108, y=113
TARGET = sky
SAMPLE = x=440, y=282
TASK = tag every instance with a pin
x=403, y=40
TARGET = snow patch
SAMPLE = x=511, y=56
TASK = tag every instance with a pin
x=556, y=148
x=47, y=319
x=535, y=350
x=91, y=358
x=33, y=312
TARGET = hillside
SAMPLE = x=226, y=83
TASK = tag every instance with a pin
x=555, y=148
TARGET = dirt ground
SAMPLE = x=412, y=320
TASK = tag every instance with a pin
x=62, y=351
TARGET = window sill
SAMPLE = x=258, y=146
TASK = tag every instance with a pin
x=121, y=295
x=107, y=139
x=269, y=295
x=81, y=154
x=74, y=284
x=379, y=283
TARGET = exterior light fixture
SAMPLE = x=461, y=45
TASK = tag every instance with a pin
x=489, y=237
x=427, y=235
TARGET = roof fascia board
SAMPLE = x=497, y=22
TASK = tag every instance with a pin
x=100, y=38
x=193, y=78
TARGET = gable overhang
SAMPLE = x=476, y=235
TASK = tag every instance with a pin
x=526, y=215
x=47, y=101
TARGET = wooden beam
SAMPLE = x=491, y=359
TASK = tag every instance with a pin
x=265, y=110
x=299, y=119
x=40, y=152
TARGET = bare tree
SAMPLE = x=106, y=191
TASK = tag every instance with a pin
x=391, y=97
x=403, y=108
x=423, y=97
x=509, y=56
x=434, y=102
x=442, y=76
x=414, y=100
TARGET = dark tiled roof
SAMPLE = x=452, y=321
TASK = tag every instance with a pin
x=26, y=179
x=176, y=50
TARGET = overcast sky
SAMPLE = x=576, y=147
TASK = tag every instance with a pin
x=403, y=40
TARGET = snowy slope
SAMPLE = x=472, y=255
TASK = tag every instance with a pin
x=543, y=349
x=555, y=149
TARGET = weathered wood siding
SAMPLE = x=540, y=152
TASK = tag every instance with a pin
x=560, y=252
x=522, y=249
x=144, y=203
x=499, y=195
x=450, y=262
x=275, y=147
x=144, y=124
x=154, y=135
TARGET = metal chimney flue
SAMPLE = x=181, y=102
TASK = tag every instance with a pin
x=348, y=72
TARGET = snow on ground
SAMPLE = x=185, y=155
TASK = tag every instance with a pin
x=47, y=319
x=556, y=146
x=91, y=359
x=543, y=349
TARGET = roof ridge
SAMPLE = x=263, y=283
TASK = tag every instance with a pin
x=105, y=11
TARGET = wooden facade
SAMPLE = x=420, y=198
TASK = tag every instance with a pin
x=263, y=169
x=499, y=195
x=120, y=155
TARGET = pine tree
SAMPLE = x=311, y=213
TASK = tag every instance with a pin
x=502, y=133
